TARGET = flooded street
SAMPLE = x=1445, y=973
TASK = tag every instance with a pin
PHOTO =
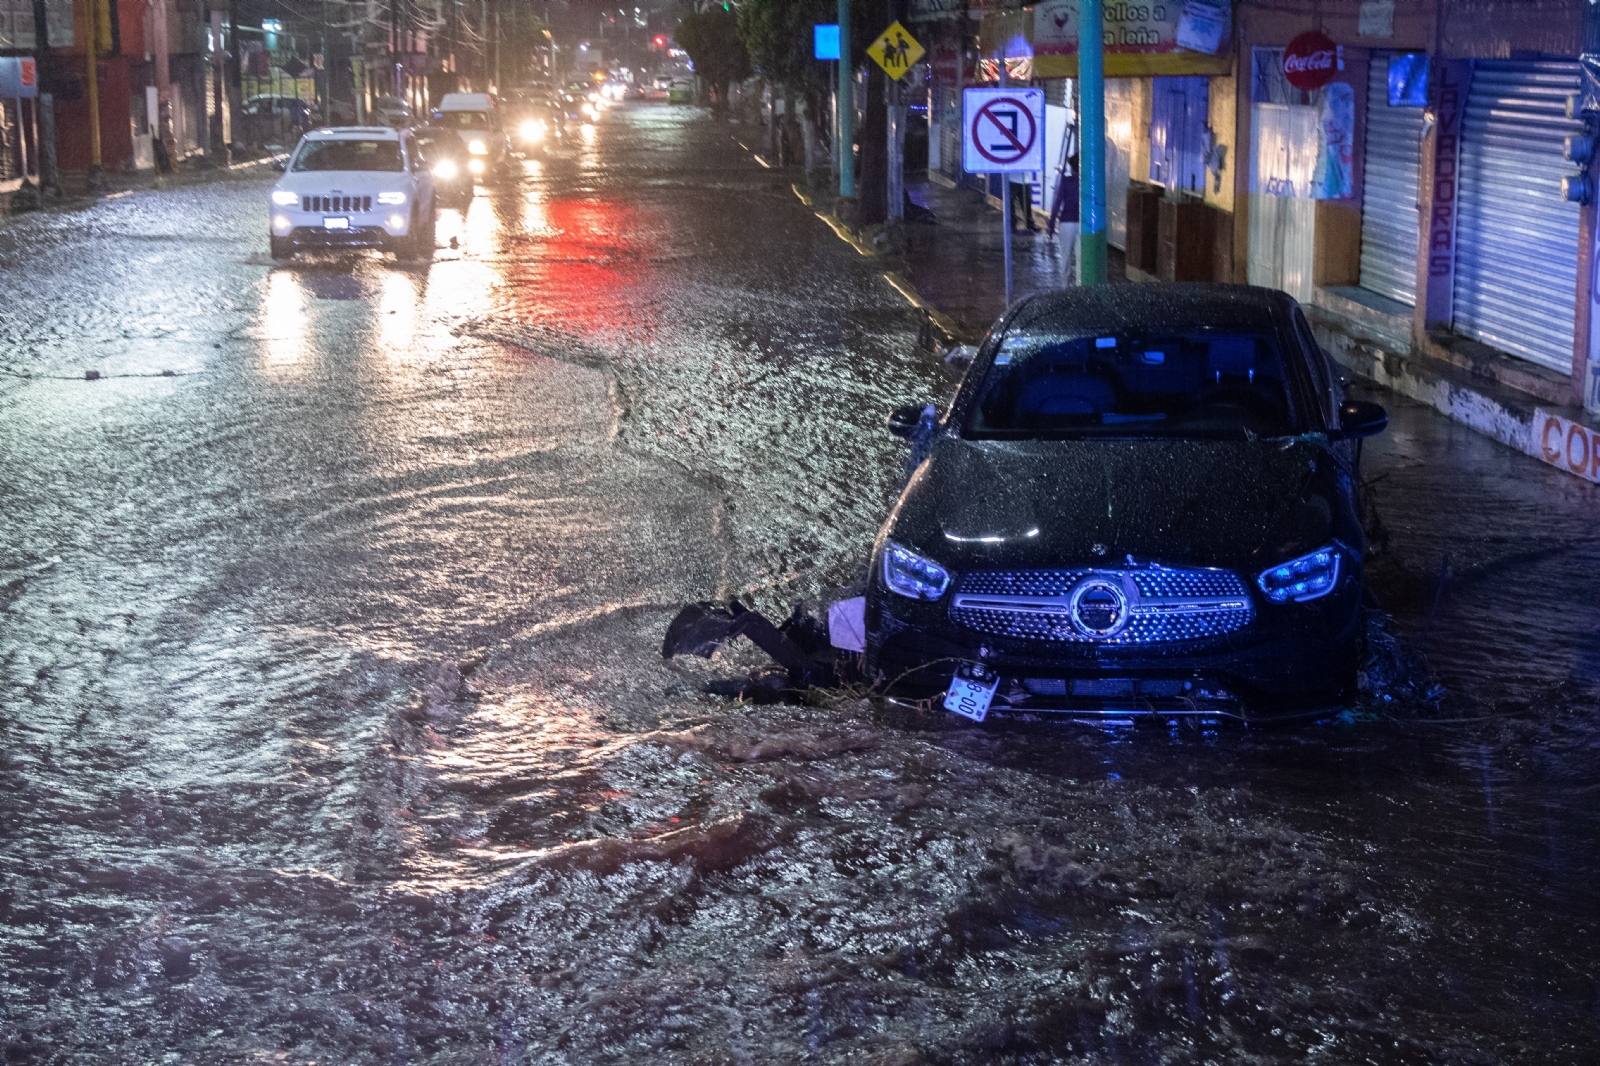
x=334, y=726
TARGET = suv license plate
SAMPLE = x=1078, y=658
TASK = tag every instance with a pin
x=336, y=223
x=971, y=691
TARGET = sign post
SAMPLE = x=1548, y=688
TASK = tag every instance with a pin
x=825, y=46
x=1002, y=132
x=1091, y=145
x=896, y=51
x=847, y=107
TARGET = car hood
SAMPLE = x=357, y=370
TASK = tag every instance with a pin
x=1236, y=504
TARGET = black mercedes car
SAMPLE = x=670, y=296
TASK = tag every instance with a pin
x=1143, y=499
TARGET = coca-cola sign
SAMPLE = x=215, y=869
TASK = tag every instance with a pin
x=1310, y=61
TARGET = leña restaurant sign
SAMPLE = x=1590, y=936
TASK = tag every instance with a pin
x=1310, y=61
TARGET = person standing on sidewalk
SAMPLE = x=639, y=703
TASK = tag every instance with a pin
x=1021, y=205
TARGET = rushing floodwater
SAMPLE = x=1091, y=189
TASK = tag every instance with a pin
x=333, y=726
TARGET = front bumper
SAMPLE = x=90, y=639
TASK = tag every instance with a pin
x=1293, y=660
x=372, y=230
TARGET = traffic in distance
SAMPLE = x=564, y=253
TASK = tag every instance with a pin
x=383, y=186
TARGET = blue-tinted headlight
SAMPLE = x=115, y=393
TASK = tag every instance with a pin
x=909, y=574
x=1305, y=578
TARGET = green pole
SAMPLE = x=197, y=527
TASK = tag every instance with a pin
x=847, y=106
x=1091, y=145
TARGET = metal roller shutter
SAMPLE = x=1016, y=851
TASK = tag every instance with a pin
x=1516, y=239
x=1389, y=200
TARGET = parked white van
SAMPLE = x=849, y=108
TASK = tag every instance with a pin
x=354, y=187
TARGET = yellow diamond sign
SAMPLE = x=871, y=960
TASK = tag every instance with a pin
x=896, y=51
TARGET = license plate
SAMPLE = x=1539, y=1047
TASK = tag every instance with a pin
x=336, y=223
x=971, y=691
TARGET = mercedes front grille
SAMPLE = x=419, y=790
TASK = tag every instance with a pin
x=1139, y=606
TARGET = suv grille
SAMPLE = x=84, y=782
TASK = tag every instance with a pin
x=1153, y=605
x=336, y=203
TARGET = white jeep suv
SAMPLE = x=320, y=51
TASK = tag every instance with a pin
x=354, y=187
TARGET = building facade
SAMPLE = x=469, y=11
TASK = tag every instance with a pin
x=1433, y=193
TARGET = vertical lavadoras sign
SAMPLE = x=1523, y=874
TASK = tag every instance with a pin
x=1141, y=38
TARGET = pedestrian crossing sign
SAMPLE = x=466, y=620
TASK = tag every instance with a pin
x=896, y=51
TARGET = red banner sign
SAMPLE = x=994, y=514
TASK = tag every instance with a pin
x=1310, y=61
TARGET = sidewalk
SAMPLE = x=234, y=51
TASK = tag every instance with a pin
x=76, y=193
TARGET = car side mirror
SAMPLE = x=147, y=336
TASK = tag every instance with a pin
x=903, y=420
x=279, y=165
x=1359, y=419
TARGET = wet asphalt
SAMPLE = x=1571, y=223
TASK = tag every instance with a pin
x=333, y=726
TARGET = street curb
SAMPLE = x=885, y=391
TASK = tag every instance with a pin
x=839, y=228
x=949, y=333
x=937, y=319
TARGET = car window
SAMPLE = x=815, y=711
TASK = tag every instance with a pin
x=463, y=120
x=348, y=155
x=1201, y=384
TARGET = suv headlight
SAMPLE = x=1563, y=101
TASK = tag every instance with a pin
x=909, y=574
x=285, y=198
x=1309, y=577
x=391, y=197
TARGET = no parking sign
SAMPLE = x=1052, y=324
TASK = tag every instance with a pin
x=1002, y=131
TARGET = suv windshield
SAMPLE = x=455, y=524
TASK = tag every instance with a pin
x=348, y=155
x=1208, y=384
x=463, y=120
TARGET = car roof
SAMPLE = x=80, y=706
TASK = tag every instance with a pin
x=466, y=102
x=1155, y=306
x=382, y=133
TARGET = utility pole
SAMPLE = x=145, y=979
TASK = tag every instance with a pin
x=44, y=106
x=92, y=62
x=394, y=45
x=847, y=107
x=218, y=126
x=327, y=71
x=1091, y=145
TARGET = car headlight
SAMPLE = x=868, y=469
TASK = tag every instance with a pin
x=475, y=165
x=391, y=197
x=397, y=221
x=285, y=198
x=1306, y=578
x=532, y=131
x=446, y=169
x=909, y=574
x=477, y=148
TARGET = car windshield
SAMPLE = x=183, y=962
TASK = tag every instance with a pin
x=463, y=120
x=348, y=155
x=1206, y=384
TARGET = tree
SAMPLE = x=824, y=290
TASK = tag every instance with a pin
x=777, y=34
x=711, y=38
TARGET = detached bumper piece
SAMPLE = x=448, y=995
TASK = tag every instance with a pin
x=354, y=237
x=800, y=644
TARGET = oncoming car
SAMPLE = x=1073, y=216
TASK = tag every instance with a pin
x=1142, y=500
x=476, y=118
x=354, y=187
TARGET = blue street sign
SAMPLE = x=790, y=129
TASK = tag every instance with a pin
x=826, y=39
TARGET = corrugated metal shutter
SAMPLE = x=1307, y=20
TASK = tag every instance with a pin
x=950, y=132
x=1516, y=239
x=1389, y=200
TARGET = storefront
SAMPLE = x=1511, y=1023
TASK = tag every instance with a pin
x=1516, y=264
x=1396, y=100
